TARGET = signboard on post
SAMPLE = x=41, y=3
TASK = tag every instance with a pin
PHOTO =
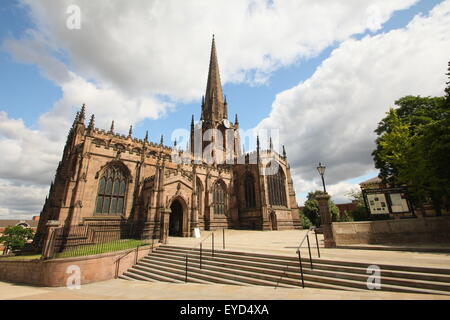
x=387, y=201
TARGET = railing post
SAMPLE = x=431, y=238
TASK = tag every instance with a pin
x=223, y=230
x=186, y=272
x=213, y=244
x=301, y=268
x=317, y=243
x=201, y=252
x=309, y=249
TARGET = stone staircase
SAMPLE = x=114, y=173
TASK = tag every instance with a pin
x=168, y=263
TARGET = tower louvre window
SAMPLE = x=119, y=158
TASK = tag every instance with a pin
x=277, y=188
x=111, y=192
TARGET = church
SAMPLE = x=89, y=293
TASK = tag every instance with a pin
x=108, y=180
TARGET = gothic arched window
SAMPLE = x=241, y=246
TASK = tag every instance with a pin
x=111, y=192
x=277, y=188
x=219, y=198
x=249, y=186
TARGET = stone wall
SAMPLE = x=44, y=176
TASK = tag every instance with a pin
x=418, y=230
x=53, y=273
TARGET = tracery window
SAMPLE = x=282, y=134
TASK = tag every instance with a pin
x=249, y=186
x=111, y=192
x=277, y=188
x=219, y=198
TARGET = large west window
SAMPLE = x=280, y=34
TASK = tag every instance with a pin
x=111, y=192
x=219, y=198
x=249, y=186
x=277, y=188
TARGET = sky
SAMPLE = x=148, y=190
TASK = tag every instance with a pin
x=322, y=73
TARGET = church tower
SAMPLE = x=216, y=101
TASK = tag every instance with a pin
x=214, y=105
x=214, y=115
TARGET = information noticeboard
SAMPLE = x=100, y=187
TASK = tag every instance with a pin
x=377, y=203
x=387, y=201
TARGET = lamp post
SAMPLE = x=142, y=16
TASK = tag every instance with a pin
x=321, y=169
x=325, y=213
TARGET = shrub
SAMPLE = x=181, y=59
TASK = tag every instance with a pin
x=15, y=237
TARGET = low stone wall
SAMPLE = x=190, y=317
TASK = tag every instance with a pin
x=418, y=230
x=54, y=272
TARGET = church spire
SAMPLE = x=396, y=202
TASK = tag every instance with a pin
x=214, y=109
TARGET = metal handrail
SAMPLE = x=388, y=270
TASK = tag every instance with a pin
x=117, y=261
x=201, y=252
x=306, y=237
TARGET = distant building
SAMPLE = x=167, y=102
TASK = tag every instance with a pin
x=33, y=224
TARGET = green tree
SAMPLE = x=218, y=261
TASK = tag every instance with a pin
x=14, y=238
x=413, y=148
x=311, y=209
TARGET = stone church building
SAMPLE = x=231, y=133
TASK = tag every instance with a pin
x=107, y=180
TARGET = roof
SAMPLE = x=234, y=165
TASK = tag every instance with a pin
x=13, y=222
x=375, y=180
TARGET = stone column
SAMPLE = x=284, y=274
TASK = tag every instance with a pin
x=325, y=216
x=49, y=241
x=164, y=230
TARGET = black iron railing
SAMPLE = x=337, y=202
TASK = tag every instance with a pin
x=91, y=239
x=200, y=245
x=306, y=237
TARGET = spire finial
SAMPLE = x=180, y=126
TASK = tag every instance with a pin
x=77, y=117
x=82, y=116
x=91, y=122
x=112, y=127
x=236, y=121
x=284, y=152
x=130, y=133
x=162, y=139
x=270, y=144
x=192, y=121
x=146, y=136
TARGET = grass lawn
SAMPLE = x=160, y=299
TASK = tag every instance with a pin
x=30, y=257
x=98, y=248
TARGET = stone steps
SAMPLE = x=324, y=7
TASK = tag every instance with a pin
x=168, y=263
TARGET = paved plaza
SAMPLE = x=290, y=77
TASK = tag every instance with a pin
x=268, y=242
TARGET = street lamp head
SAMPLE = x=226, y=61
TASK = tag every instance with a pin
x=321, y=169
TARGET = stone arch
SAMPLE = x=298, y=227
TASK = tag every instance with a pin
x=117, y=163
x=178, y=220
x=273, y=220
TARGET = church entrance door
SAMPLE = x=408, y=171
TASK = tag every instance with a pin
x=176, y=219
x=273, y=220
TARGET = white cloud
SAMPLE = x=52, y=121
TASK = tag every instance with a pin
x=127, y=54
x=20, y=201
x=331, y=116
x=160, y=47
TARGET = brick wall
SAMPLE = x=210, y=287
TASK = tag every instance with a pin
x=418, y=230
x=53, y=273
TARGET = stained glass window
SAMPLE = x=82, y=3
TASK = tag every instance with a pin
x=111, y=192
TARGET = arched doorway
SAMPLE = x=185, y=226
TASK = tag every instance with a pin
x=273, y=220
x=176, y=219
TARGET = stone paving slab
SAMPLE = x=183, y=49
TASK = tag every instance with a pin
x=136, y=290
x=285, y=243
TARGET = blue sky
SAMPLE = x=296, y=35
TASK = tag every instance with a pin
x=27, y=92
